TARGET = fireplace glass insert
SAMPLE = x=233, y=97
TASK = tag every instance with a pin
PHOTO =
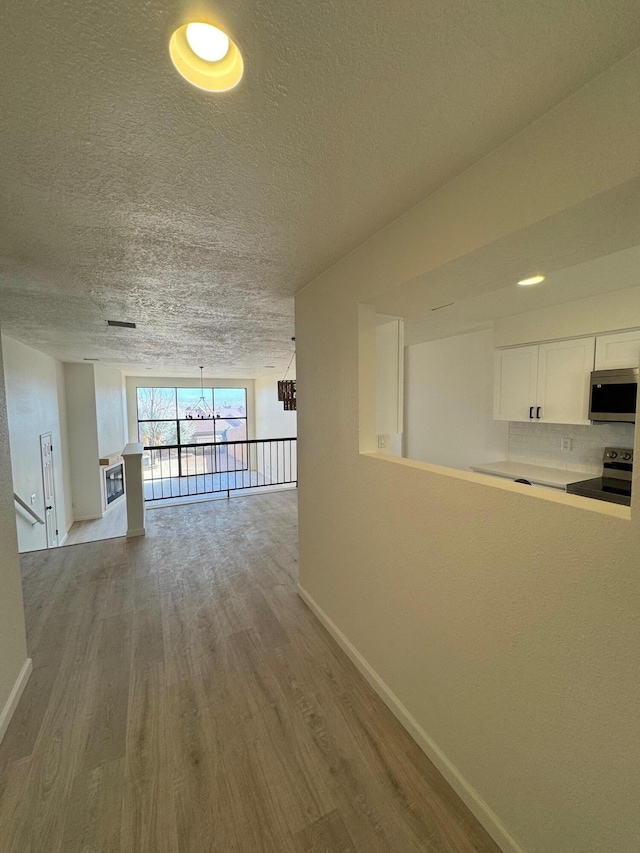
x=115, y=483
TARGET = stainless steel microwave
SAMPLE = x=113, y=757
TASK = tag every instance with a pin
x=613, y=395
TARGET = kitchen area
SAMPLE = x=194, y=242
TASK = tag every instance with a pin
x=529, y=383
x=575, y=412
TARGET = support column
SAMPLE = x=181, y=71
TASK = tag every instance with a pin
x=134, y=489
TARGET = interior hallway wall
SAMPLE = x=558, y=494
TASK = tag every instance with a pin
x=272, y=421
x=505, y=624
x=13, y=644
x=449, y=402
x=64, y=446
x=34, y=402
x=111, y=416
x=86, y=485
x=276, y=462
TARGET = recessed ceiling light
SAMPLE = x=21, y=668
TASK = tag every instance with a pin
x=535, y=279
x=207, y=41
x=206, y=57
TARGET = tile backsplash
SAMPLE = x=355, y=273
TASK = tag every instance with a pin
x=540, y=444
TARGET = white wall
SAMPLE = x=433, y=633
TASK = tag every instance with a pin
x=97, y=426
x=82, y=423
x=134, y=382
x=449, y=402
x=505, y=623
x=389, y=376
x=34, y=403
x=271, y=419
x=608, y=312
x=13, y=645
x=279, y=461
x=110, y=410
x=64, y=447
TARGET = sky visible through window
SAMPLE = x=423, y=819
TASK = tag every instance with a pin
x=163, y=418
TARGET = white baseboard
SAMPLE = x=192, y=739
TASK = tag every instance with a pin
x=465, y=791
x=137, y=531
x=87, y=518
x=14, y=697
x=63, y=540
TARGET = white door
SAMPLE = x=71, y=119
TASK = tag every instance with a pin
x=619, y=350
x=515, y=383
x=564, y=371
x=46, y=451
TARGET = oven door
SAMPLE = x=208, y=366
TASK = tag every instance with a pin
x=613, y=395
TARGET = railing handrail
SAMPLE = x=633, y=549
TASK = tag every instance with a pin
x=28, y=509
x=219, y=443
x=184, y=470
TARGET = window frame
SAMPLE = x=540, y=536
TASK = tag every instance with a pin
x=177, y=420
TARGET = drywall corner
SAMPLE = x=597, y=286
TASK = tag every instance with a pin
x=13, y=642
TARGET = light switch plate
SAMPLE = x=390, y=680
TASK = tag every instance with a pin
x=565, y=445
x=382, y=441
x=33, y=500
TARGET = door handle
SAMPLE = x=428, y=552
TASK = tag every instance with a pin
x=49, y=507
x=531, y=412
x=538, y=412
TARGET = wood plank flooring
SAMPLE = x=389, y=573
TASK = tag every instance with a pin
x=185, y=700
x=110, y=526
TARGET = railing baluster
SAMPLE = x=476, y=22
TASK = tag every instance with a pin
x=206, y=469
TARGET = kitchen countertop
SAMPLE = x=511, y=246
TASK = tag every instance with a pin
x=556, y=478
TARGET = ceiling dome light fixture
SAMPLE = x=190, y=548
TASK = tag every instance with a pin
x=535, y=279
x=205, y=56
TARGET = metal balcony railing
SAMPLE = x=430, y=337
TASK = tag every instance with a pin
x=181, y=470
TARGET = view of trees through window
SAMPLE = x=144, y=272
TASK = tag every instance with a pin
x=178, y=416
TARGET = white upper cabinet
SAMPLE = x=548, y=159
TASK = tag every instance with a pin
x=515, y=383
x=621, y=349
x=564, y=371
x=545, y=382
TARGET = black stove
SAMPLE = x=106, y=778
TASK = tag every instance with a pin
x=615, y=484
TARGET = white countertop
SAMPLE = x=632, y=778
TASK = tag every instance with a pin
x=557, y=478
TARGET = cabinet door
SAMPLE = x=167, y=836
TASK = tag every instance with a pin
x=564, y=371
x=621, y=349
x=515, y=381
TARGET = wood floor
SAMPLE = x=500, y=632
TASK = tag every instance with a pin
x=185, y=700
x=111, y=525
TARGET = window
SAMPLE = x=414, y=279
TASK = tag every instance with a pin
x=163, y=415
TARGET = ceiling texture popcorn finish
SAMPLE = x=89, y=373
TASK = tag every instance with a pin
x=126, y=192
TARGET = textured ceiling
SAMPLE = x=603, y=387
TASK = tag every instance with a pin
x=125, y=193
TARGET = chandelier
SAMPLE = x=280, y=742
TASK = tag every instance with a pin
x=287, y=388
x=201, y=410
